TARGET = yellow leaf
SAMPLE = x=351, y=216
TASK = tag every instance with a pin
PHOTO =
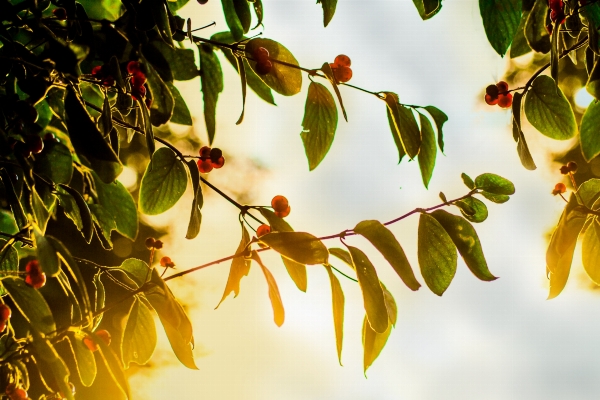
x=373, y=343
x=276, y=303
x=240, y=267
x=337, y=298
x=390, y=305
x=301, y=247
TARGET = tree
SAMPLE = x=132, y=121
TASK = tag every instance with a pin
x=85, y=85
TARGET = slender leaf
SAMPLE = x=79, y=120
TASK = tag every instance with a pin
x=337, y=303
x=428, y=8
x=211, y=77
x=274, y=296
x=242, y=70
x=373, y=343
x=328, y=10
x=197, y=203
x=405, y=125
x=439, y=118
x=301, y=247
x=30, y=303
x=84, y=359
x=428, y=150
x=326, y=68
x=240, y=266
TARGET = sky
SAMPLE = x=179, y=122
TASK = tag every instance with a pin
x=489, y=340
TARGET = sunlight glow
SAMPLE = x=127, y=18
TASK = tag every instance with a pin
x=583, y=98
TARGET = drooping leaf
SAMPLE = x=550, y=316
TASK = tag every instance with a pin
x=373, y=298
x=494, y=184
x=519, y=45
x=342, y=255
x=390, y=305
x=12, y=199
x=139, y=338
x=395, y=135
x=301, y=247
x=326, y=68
x=436, y=253
x=522, y=148
x=500, y=20
x=113, y=365
x=385, y=241
x=466, y=241
x=319, y=124
x=164, y=182
x=562, y=246
x=40, y=212
x=428, y=151
x=46, y=254
x=405, y=125
x=76, y=209
x=554, y=49
x=55, y=365
x=30, y=303
x=535, y=28
x=439, y=118
x=240, y=266
x=277, y=224
x=548, y=110
x=589, y=138
x=211, y=77
x=297, y=272
x=590, y=251
x=197, y=203
x=428, y=8
x=242, y=70
x=283, y=79
x=338, y=301
x=84, y=359
x=473, y=209
x=118, y=202
x=181, y=113
x=147, y=122
x=328, y=10
x=232, y=19
x=242, y=9
x=55, y=162
x=163, y=102
x=274, y=296
x=373, y=343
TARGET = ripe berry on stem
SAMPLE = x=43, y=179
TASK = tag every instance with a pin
x=263, y=230
x=505, y=100
x=264, y=67
x=342, y=61
x=284, y=213
x=279, y=203
x=35, y=278
x=572, y=166
x=205, y=166
x=342, y=74
x=133, y=67
x=150, y=242
x=166, y=262
x=205, y=152
x=158, y=244
x=261, y=54
x=559, y=188
x=5, y=312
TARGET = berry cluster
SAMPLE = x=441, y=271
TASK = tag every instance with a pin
x=103, y=334
x=498, y=94
x=15, y=392
x=557, y=11
x=559, y=188
x=571, y=167
x=263, y=63
x=341, y=68
x=138, y=81
x=101, y=73
x=153, y=244
x=60, y=14
x=5, y=314
x=209, y=159
x=280, y=206
x=35, y=277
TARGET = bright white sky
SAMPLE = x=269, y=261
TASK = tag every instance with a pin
x=480, y=340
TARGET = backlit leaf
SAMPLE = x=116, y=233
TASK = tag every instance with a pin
x=319, y=124
x=373, y=298
x=590, y=250
x=440, y=118
x=232, y=19
x=500, y=20
x=301, y=247
x=535, y=27
x=589, y=137
x=373, y=343
x=385, y=241
x=137, y=270
x=117, y=200
x=519, y=45
x=548, y=110
x=55, y=162
x=12, y=199
x=211, y=77
x=242, y=70
x=588, y=193
x=297, y=272
x=342, y=255
x=428, y=150
x=496, y=198
x=494, y=184
x=466, y=241
x=55, y=365
x=164, y=182
x=30, y=303
x=467, y=181
x=163, y=102
x=428, y=8
x=139, y=338
x=197, y=203
x=405, y=125
x=46, y=254
x=338, y=301
x=436, y=253
x=473, y=209
x=276, y=303
x=76, y=209
x=84, y=359
x=283, y=79
x=328, y=10
x=240, y=266
x=113, y=365
x=181, y=113
x=277, y=224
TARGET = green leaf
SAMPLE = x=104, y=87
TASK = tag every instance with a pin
x=274, y=296
x=494, y=184
x=197, y=203
x=88, y=141
x=181, y=113
x=76, y=209
x=468, y=181
x=522, y=149
x=496, y=198
x=428, y=8
x=473, y=209
x=436, y=253
x=46, y=254
x=589, y=138
x=175, y=321
x=385, y=242
x=41, y=213
x=593, y=83
x=319, y=124
x=163, y=102
x=428, y=150
x=277, y=224
x=301, y=247
x=589, y=192
x=554, y=50
x=500, y=20
x=55, y=365
x=297, y=272
x=240, y=267
x=326, y=68
x=139, y=338
x=590, y=250
x=548, y=110
x=12, y=199
x=119, y=204
x=137, y=270
x=242, y=9
x=466, y=241
x=113, y=365
x=9, y=260
x=373, y=298
x=231, y=18
x=562, y=246
x=181, y=62
x=535, y=28
x=405, y=125
x=373, y=343
x=30, y=303
x=104, y=224
x=439, y=118
x=242, y=70
x=164, y=182
x=55, y=162
x=283, y=79
x=337, y=303
x=147, y=123
x=395, y=135
x=519, y=45
x=211, y=77
x=84, y=359
x=328, y=10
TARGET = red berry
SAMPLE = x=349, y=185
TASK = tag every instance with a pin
x=284, y=213
x=215, y=154
x=49, y=137
x=205, y=166
x=137, y=93
x=35, y=278
x=264, y=67
x=565, y=170
x=18, y=394
x=490, y=100
x=502, y=86
x=5, y=312
x=158, y=244
x=104, y=335
x=559, y=188
x=261, y=54
x=97, y=71
x=133, y=67
x=60, y=13
x=263, y=230
x=205, y=152
x=90, y=344
x=505, y=100
x=150, y=242
x=138, y=79
x=35, y=143
x=342, y=74
x=279, y=203
x=108, y=81
x=219, y=163
x=342, y=61
x=572, y=166
x=3, y=326
x=492, y=90
x=166, y=262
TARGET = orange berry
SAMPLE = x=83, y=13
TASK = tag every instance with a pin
x=502, y=86
x=559, y=188
x=342, y=74
x=205, y=166
x=18, y=394
x=104, y=335
x=279, y=203
x=342, y=60
x=5, y=313
x=491, y=100
x=138, y=79
x=283, y=214
x=166, y=262
x=505, y=100
x=90, y=344
x=263, y=230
